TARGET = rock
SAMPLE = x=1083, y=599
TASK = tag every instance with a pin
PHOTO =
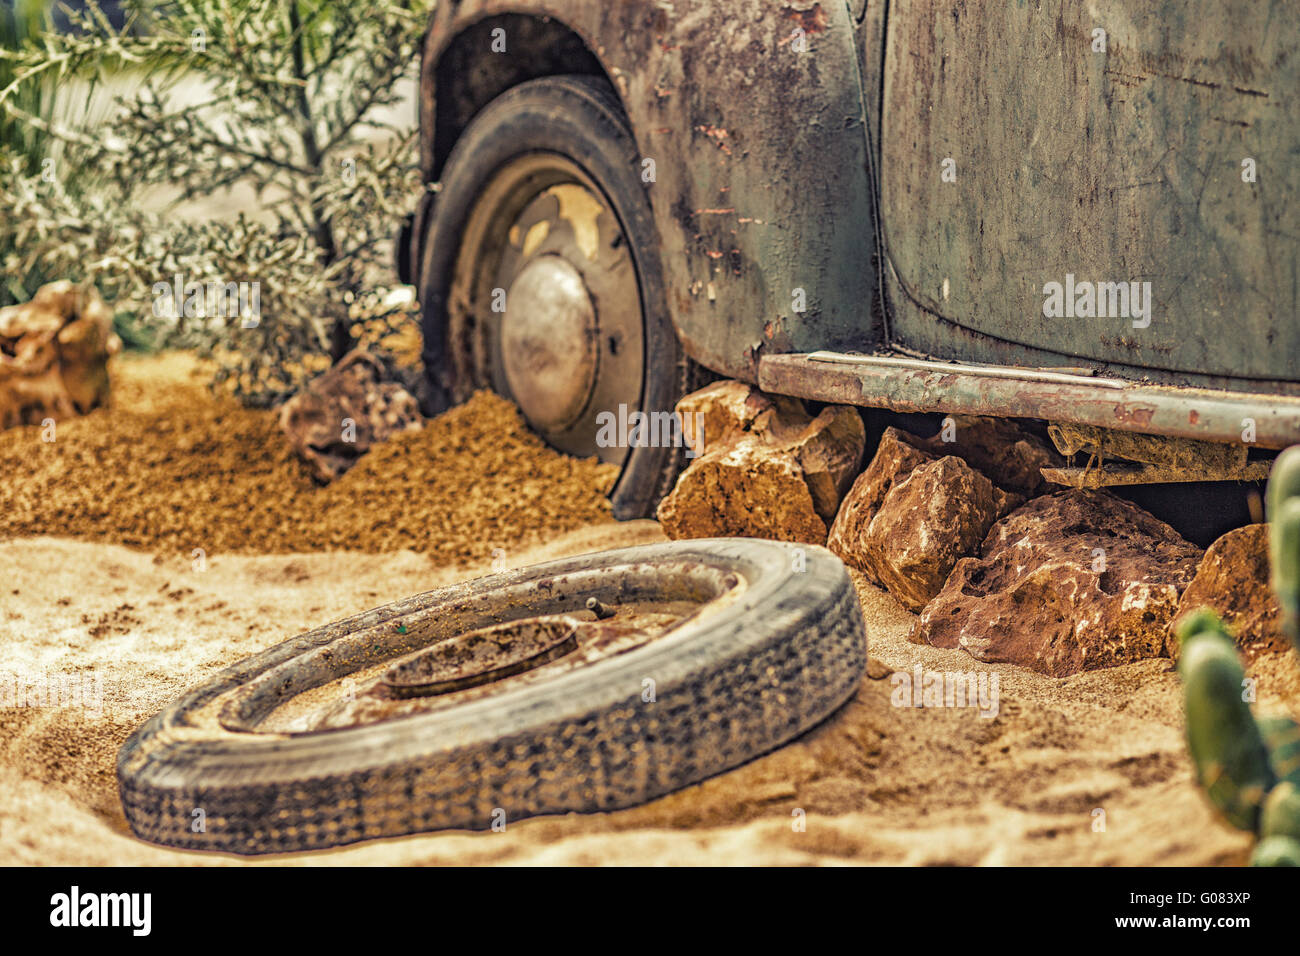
x=54, y=353
x=937, y=514
x=766, y=468
x=1075, y=580
x=722, y=409
x=1233, y=580
x=910, y=516
x=896, y=456
x=1003, y=450
x=343, y=413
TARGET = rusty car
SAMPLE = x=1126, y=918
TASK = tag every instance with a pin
x=1078, y=214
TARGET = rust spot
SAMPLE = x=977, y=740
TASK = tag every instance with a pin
x=1136, y=416
x=811, y=20
x=716, y=134
x=1193, y=418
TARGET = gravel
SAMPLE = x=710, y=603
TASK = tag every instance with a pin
x=172, y=467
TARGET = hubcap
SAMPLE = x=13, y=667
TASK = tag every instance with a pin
x=548, y=343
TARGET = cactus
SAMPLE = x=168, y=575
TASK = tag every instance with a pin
x=1284, y=554
x=1282, y=739
x=1281, y=813
x=1283, y=481
x=1248, y=766
x=1276, y=851
x=1232, y=763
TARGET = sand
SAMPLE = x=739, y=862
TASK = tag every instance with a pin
x=875, y=783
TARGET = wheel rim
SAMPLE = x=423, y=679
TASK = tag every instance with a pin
x=545, y=305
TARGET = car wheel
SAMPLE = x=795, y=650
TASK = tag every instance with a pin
x=540, y=278
x=491, y=700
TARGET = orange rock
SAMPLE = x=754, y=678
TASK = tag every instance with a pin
x=54, y=353
x=933, y=517
x=767, y=468
x=343, y=413
x=1233, y=580
x=1072, y=581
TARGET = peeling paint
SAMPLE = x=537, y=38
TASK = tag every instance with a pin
x=810, y=19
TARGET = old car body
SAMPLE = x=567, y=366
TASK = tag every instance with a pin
x=869, y=202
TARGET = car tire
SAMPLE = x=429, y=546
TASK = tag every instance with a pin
x=783, y=647
x=580, y=119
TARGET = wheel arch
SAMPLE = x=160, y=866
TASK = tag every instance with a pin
x=458, y=77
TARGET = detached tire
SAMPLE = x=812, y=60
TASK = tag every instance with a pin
x=778, y=652
x=540, y=278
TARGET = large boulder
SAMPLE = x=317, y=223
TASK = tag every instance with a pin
x=343, y=413
x=1233, y=580
x=1076, y=580
x=910, y=516
x=54, y=353
x=765, y=467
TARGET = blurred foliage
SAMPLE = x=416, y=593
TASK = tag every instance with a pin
x=20, y=21
x=277, y=99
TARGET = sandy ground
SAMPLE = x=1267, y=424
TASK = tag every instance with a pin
x=877, y=783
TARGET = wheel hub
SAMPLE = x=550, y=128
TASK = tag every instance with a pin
x=548, y=342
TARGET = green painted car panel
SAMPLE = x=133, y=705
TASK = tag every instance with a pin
x=800, y=146
x=1119, y=164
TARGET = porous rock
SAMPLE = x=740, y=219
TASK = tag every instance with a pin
x=910, y=516
x=1072, y=581
x=343, y=413
x=1009, y=454
x=54, y=352
x=934, y=516
x=1233, y=581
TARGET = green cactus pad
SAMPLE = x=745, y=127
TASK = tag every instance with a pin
x=1284, y=555
x=1281, y=813
x=1276, y=851
x=1283, y=481
x=1282, y=740
x=1200, y=621
x=1231, y=761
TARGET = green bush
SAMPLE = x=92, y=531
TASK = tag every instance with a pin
x=276, y=97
